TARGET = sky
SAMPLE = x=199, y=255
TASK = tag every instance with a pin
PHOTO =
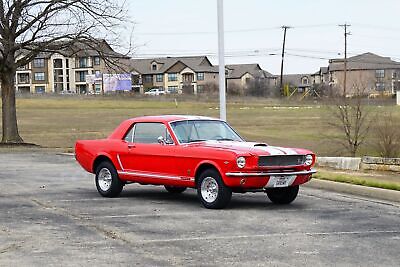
x=253, y=33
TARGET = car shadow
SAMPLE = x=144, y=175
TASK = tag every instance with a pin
x=189, y=198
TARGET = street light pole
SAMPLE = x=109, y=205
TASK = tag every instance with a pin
x=221, y=61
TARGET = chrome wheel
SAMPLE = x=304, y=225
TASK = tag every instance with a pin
x=209, y=189
x=104, y=179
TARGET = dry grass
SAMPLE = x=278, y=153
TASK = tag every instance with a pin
x=386, y=182
x=58, y=122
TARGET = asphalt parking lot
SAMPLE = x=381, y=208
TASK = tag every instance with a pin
x=51, y=214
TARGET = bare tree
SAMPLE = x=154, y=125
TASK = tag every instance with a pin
x=352, y=118
x=29, y=27
x=388, y=136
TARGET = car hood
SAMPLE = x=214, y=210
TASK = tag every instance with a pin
x=254, y=148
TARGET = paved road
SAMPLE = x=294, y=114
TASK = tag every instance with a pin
x=51, y=214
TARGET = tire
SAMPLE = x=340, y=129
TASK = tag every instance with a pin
x=175, y=189
x=107, y=181
x=284, y=195
x=212, y=191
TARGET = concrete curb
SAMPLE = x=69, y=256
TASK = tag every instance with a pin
x=66, y=154
x=365, y=191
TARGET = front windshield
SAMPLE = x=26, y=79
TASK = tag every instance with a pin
x=202, y=130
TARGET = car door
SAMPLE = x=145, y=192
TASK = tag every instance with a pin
x=150, y=159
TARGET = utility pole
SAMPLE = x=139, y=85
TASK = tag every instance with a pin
x=283, y=55
x=221, y=61
x=346, y=33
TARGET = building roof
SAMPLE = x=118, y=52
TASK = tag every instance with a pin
x=321, y=71
x=295, y=79
x=195, y=63
x=236, y=71
x=94, y=47
x=366, y=61
x=324, y=70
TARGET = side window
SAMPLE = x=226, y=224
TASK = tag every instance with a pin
x=148, y=133
x=129, y=135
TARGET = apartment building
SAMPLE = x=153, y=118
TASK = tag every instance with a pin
x=368, y=72
x=176, y=74
x=66, y=71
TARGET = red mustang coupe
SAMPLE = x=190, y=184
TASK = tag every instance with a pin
x=197, y=152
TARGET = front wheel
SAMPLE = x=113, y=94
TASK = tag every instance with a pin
x=175, y=189
x=107, y=181
x=284, y=195
x=212, y=191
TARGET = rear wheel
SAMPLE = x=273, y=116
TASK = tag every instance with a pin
x=212, y=191
x=175, y=189
x=284, y=195
x=107, y=181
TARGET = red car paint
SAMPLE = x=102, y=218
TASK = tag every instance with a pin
x=180, y=164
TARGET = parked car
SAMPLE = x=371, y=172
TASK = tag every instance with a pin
x=203, y=153
x=155, y=91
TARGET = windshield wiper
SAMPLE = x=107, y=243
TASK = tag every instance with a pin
x=225, y=139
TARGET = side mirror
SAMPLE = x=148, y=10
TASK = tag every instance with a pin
x=161, y=140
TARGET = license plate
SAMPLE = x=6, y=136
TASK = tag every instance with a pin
x=281, y=180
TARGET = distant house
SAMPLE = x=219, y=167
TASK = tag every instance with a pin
x=297, y=82
x=240, y=76
x=187, y=74
x=321, y=76
x=368, y=72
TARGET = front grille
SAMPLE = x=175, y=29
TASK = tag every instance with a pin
x=281, y=160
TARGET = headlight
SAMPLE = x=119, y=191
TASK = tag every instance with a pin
x=309, y=160
x=241, y=162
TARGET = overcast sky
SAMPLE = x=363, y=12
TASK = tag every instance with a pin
x=253, y=34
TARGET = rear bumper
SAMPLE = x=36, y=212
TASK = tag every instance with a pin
x=264, y=174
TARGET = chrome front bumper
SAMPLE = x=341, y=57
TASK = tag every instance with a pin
x=245, y=174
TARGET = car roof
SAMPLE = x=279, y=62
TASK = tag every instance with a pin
x=169, y=118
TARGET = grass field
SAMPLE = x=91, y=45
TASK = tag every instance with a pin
x=57, y=122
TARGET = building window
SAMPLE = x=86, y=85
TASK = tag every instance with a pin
x=200, y=76
x=83, y=62
x=38, y=63
x=159, y=78
x=39, y=76
x=380, y=73
x=82, y=76
x=97, y=88
x=380, y=86
x=148, y=78
x=96, y=61
x=304, y=80
x=154, y=67
x=40, y=89
x=172, y=77
x=200, y=89
x=23, y=78
x=57, y=63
